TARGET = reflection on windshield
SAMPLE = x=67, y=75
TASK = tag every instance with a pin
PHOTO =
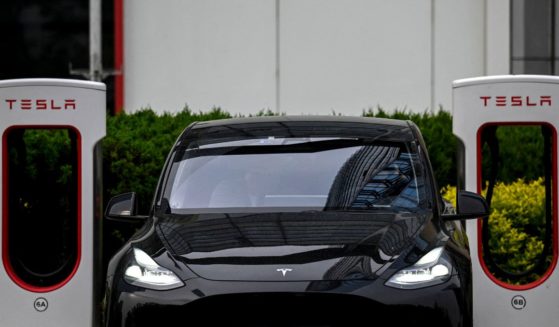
x=318, y=174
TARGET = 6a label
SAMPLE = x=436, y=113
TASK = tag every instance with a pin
x=41, y=304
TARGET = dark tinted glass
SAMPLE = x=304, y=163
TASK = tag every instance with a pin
x=291, y=174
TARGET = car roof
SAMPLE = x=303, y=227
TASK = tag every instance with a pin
x=307, y=118
x=380, y=129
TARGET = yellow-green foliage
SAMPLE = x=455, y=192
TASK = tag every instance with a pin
x=517, y=222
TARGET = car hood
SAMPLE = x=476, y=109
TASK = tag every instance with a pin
x=289, y=246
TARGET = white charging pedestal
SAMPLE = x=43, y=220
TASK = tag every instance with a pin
x=67, y=295
x=479, y=103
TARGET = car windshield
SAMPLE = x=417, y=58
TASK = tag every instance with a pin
x=271, y=174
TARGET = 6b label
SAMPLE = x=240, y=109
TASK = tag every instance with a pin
x=518, y=302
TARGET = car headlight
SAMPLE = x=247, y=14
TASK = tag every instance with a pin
x=431, y=269
x=145, y=272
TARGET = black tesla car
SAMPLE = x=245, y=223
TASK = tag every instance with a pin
x=295, y=221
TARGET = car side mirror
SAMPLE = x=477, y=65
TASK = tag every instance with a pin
x=123, y=207
x=470, y=206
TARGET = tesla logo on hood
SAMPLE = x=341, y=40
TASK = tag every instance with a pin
x=284, y=271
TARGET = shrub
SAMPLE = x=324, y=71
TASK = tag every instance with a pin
x=517, y=224
x=521, y=151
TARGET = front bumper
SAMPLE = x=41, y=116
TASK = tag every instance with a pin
x=324, y=303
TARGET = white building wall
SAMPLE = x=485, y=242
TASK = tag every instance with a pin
x=352, y=55
x=459, y=45
x=202, y=52
x=333, y=55
x=498, y=37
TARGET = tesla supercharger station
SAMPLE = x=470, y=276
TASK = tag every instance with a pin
x=50, y=220
x=481, y=106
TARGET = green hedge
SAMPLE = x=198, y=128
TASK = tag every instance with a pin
x=517, y=225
